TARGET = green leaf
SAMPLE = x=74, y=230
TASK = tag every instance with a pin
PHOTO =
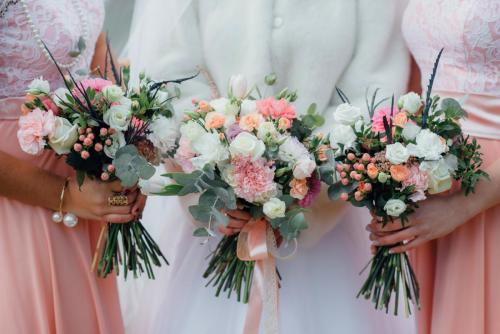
x=220, y=217
x=203, y=232
x=80, y=177
x=81, y=44
x=170, y=190
x=452, y=109
x=312, y=109
x=201, y=213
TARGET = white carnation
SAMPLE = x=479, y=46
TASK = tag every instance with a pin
x=164, y=132
x=396, y=153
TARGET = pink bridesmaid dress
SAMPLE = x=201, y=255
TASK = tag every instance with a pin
x=45, y=282
x=459, y=274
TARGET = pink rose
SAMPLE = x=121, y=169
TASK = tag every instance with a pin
x=378, y=118
x=97, y=84
x=34, y=127
x=276, y=109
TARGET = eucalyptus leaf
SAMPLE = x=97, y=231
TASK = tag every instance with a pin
x=201, y=213
x=220, y=217
x=170, y=190
x=202, y=232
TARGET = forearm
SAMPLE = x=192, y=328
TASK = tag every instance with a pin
x=99, y=59
x=29, y=184
x=487, y=192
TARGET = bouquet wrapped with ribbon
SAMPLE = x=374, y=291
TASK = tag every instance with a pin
x=260, y=156
x=408, y=151
x=106, y=131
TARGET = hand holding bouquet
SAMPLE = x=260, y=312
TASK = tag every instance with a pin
x=407, y=153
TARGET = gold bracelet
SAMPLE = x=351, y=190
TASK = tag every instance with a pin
x=69, y=219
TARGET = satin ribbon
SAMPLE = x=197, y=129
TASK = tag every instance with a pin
x=256, y=242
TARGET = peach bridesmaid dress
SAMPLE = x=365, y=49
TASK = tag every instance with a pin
x=45, y=282
x=459, y=274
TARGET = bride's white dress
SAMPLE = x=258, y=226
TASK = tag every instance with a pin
x=312, y=46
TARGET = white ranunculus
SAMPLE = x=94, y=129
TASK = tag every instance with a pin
x=210, y=150
x=164, y=132
x=347, y=114
x=303, y=168
x=274, y=208
x=64, y=136
x=118, y=117
x=410, y=131
x=238, y=86
x=248, y=107
x=267, y=130
x=410, y=102
x=342, y=135
x=118, y=141
x=247, y=144
x=292, y=150
x=396, y=153
x=60, y=98
x=112, y=93
x=395, y=207
x=38, y=87
x=438, y=173
x=156, y=183
x=429, y=145
x=192, y=130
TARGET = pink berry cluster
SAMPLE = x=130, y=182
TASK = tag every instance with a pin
x=356, y=169
x=108, y=172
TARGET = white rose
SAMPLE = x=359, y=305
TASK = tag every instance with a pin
x=410, y=102
x=429, y=145
x=347, y=114
x=292, y=150
x=342, y=135
x=112, y=93
x=118, y=141
x=156, y=183
x=60, y=98
x=274, y=208
x=395, y=207
x=396, y=153
x=164, y=132
x=304, y=168
x=248, y=145
x=410, y=131
x=118, y=117
x=248, y=107
x=64, y=136
x=38, y=87
x=267, y=130
x=238, y=86
x=210, y=150
x=439, y=175
x=192, y=130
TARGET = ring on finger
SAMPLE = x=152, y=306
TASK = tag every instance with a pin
x=118, y=200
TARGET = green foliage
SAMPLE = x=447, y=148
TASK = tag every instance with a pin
x=469, y=164
x=130, y=166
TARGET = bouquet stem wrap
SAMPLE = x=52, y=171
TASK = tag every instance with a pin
x=256, y=242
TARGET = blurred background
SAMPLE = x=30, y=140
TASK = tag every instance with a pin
x=117, y=24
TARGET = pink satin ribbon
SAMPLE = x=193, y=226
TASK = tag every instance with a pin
x=255, y=242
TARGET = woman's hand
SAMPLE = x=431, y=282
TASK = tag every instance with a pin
x=237, y=219
x=435, y=217
x=91, y=201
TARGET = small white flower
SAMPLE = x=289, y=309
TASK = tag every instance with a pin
x=304, y=168
x=63, y=137
x=210, y=150
x=118, y=141
x=38, y=87
x=292, y=150
x=238, y=86
x=410, y=131
x=347, y=114
x=118, y=117
x=429, y=145
x=164, y=132
x=395, y=207
x=192, y=130
x=224, y=106
x=410, y=102
x=342, y=135
x=112, y=93
x=247, y=144
x=274, y=208
x=396, y=153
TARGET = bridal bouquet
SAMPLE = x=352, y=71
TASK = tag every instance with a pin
x=109, y=132
x=257, y=155
x=405, y=154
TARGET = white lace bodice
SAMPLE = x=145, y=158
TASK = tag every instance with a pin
x=59, y=26
x=469, y=31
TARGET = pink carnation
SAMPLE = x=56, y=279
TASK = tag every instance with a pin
x=97, y=84
x=253, y=179
x=276, y=109
x=314, y=185
x=419, y=180
x=378, y=118
x=184, y=155
x=33, y=128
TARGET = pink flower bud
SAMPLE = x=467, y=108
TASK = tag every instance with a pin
x=194, y=101
x=351, y=156
x=368, y=187
x=347, y=167
x=77, y=147
x=356, y=165
x=373, y=160
x=103, y=132
x=89, y=130
x=353, y=174
x=345, y=182
x=108, y=142
x=358, y=177
x=358, y=196
x=343, y=174
x=366, y=157
x=87, y=142
x=111, y=168
x=81, y=138
x=85, y=155
x=361, y=167
x=344, y=196
x=104, y=176
x=81, y=131
x=91, y=136
x=98, y=147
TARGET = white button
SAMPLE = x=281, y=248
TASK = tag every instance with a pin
x=278, y=22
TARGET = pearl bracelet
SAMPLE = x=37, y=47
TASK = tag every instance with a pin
x=68, y=219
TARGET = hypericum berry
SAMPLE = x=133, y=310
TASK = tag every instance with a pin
x=339, y=168
x=344, y=196
x=361, y=167
x=111, y=131
x=351, y=156
x=91, y=136
x=367, y=187
x=347, y=167
x=103, y=131
x=85, y=155
x=108, y=142
x=358, y=196
x=98, y=147
x=358, y=177
x=81, y=138
x=105, y=176
x=343, y=174
x=89, y=130
x=344, y=182
x=81, y=131
x=353, y=174
x=366, y=157
x=111, y=168
x=87, y=142
x=77, y=147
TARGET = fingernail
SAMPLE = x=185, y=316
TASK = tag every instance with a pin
x=376, y=243
x=391, y=251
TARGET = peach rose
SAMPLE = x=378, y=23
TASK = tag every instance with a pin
x=399, y=172
x=203, y=106
x=284, y=124
x=250, y=122
x=400, y=119
x=299, y=188
x=372, y=171
x=214, y=120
